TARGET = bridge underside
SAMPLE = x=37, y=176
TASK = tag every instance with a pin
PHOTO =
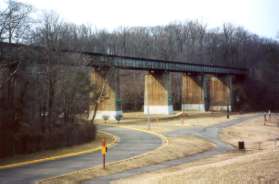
x=199, y=92
x=204, y=87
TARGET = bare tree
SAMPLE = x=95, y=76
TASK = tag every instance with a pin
x=15, y=21
x=2, y=24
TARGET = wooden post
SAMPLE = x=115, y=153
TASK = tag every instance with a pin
x=265, y=119
x=259, y=145
x=269, y=116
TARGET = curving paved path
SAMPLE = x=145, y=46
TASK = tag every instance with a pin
x=131, y=143
x=209, y=133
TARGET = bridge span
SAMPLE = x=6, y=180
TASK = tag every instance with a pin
x=204, y=87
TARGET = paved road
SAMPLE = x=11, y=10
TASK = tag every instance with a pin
x=131, y=143
x=210, y=133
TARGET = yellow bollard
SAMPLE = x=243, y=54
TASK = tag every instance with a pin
x=104, y=152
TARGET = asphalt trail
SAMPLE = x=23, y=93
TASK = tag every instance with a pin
x=131, y=143
x=209, y=133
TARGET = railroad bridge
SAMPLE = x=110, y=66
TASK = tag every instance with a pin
x=204, y=87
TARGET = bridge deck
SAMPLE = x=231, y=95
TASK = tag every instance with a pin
x=126, y=62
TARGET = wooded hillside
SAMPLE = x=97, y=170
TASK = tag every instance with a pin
x=47, y=98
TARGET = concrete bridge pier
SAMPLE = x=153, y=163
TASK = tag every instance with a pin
x=157, y=93
x=220, y=92
x=106, y=81
x=193, y=92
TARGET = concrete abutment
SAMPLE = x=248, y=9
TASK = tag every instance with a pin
x=157, y=93
x=193, y=92
x=106, y=84
x=220, y=92
x=200, y=92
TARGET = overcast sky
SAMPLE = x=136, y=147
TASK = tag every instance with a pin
x=258, y=16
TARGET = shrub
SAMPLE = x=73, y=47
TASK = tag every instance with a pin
x=31, y=140
x=105, y=118
x=118, y=117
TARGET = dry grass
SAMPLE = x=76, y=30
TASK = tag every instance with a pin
x=140, y=117
x=160, y=124
x=177, y=147
x=254, y=133
x=252, y=166
x=57, y=152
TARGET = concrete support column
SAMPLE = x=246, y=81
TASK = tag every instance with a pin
x=157, y=93
x=193, y=92
x=220, y=93
x=106, y=82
